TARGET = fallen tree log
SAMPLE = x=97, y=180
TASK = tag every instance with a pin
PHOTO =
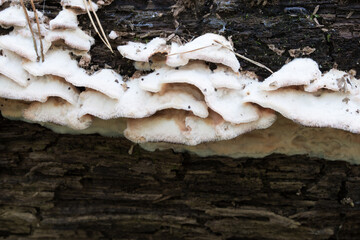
x=93, y=187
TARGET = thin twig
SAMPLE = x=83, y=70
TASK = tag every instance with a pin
x=316, y=9
x=253, y=62
x=196, y=49
x=237, y=54
x=32, y=32
x=94, y=25
x=350, y=14
x=38, y=26
x=245, y=58
x=100, y=26
x=92, y=21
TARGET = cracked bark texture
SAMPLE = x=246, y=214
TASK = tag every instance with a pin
x=88, y=187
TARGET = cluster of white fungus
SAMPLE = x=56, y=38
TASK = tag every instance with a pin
x=193, y=94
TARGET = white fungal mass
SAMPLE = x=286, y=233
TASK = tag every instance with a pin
x=184, y=100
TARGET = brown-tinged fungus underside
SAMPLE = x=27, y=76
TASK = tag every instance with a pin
x=182, y=103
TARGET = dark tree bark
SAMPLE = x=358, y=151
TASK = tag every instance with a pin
x=89, y=187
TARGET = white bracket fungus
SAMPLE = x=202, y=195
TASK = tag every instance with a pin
x=184, y=100
x=283, y=137
x=136, y=103
x=208, y=47
x=334, y=110
x=337, y=81
x=59, y=63
x=57, y=111
x=298, y=72
x=329, y=100
x=12, y=16
x=65, y=27
x=181, y=127
x=223, y=90
x=113, y=35
x=76, y=39
x=10, y=66
x=142, y=52
x=66, y=19
x=50, y=87
x=21, y=43
x=13, y=109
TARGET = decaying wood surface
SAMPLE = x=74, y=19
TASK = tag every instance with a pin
x=271, y=34
x=89, y=187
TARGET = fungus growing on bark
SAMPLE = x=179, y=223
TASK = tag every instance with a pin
x=59, y=112
x=113, y=35
x=194, y=94
x=10, y=66
x=136, y=103
x=208, y=47
x=12, y=16
x=142, y=52
x=58, y=62
x=223, y=89
x=74, y=38
x=330, y=100
x=299, y=72
x=66, y=19
x=13, y=109
x=283, y=137
x=87, y=6
x=181, y=127
x=65, y=27
x=337, y=81
x=20, y=42
x=50, y=87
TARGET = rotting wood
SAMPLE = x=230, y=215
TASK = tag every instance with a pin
x=89, y=187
